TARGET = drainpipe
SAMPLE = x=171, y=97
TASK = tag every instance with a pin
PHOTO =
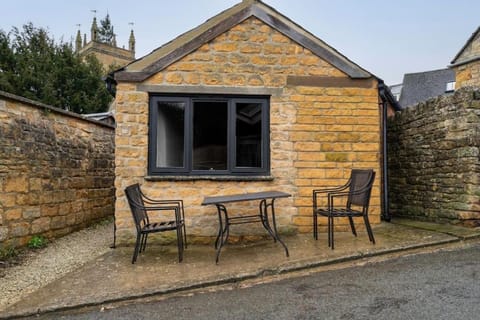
x=381, y=90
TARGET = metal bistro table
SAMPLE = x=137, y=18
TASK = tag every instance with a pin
x=267, y=200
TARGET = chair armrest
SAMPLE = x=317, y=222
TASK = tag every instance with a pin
x=159, y=208
x=327, y=191
x=179, y=203
x=173, y=206
x=333, y=195
x=179, y=214
x=331, y=199
x=155, y=205
x=150, y=200
x=332, y=189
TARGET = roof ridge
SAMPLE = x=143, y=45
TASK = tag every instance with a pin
x=191, y=40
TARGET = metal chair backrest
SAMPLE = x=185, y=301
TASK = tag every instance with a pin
x=137, y=206
x=361, y=182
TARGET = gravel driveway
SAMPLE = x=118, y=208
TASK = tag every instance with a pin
x=61, y=256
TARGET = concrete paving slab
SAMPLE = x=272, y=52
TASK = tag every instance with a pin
x=112, y=277
x=457, y=231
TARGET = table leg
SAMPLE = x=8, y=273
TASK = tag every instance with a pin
x=265, y=221
x=263, y=207
x=223, y=229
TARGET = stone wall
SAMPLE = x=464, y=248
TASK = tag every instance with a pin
x=467, y=74
x=56, y=171
x=434, y=159
x=467, y=65
x=317, y=133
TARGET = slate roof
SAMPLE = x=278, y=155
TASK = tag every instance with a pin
x=387, y=95
x=421, y=86
x=188, y=42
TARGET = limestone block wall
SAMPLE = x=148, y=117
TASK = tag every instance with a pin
x=467, y=74
x=56, y=171
x=317, y=133
x=434, y=159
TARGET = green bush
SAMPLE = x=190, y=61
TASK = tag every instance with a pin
x=37, y=242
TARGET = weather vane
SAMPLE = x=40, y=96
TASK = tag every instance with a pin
x=131, y=24
x=94, y=12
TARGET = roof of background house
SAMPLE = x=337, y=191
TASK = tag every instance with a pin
x=106, y=117
x=460, y=58
x=421, y=86
x=396, y=88
x=188, y=42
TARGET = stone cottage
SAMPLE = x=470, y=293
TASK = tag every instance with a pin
x=247, y=101
x=467, y=62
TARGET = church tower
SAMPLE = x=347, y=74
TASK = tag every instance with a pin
x=107, y=52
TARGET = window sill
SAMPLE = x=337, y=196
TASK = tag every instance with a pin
x=211, y=178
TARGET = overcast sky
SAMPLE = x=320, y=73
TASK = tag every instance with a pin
x=386, y=37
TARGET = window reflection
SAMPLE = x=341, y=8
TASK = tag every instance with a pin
x=170, y=134
x=249, y=135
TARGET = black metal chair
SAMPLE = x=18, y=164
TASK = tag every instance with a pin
x=140, y=204
x=350, y=200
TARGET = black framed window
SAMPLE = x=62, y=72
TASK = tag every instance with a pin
x=209, y=135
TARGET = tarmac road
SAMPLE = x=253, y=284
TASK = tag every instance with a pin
x=440, y=285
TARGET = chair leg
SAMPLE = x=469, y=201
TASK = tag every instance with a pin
x=184, y=235
x=369, y=229
x=180, y=243
x=328, y=232
x=331, y=233
x=352, y=226
x=144, y=242
x=137, y=247
x=315, y=226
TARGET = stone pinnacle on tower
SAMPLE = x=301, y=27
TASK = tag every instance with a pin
x=131, y=41
x=78, y=40
x=94, y=29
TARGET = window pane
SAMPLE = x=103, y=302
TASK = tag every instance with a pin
x=170, y=134
x=210, y=135
x=450, y=86
x=249, y=135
